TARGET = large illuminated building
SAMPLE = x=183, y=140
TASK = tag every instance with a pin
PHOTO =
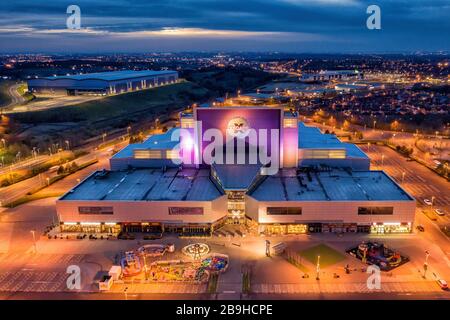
x=111, y=82
x=168, y=184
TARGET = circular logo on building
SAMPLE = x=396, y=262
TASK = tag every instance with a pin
x=238, y=127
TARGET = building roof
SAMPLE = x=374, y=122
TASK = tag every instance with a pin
x=112, y=75
x=236, y=177
x=146, y=185
x=154, y=142
x=336, y=185
x=313, y=138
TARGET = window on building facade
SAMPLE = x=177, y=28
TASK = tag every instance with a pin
x=95, y=210
x=284, y=211
x=375, y=210
x=182, y=211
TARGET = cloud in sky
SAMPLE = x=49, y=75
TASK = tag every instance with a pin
x=177, y=25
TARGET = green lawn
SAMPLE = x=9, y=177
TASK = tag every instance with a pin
x=328, y=256
x=159, y=99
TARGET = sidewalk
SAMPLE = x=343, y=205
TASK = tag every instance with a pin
x=355, y=287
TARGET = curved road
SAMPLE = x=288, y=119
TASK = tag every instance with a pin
x=16, y=97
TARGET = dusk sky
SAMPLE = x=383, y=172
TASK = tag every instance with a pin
x=219, y=25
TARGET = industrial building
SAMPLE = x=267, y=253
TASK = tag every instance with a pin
x=321, y=185
x=102, y=82
x=330, y=75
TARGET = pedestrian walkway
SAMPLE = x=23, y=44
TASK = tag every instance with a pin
x=358, y=287
x=159, y=288
x=33, y=281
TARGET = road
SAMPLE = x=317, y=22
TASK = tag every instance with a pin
x=16, y=97
x=20, y=189
x=418, y=180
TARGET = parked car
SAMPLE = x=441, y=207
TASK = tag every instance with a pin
x=439, y=212
x=443, y=284
x=420, y=228
x=428, y=202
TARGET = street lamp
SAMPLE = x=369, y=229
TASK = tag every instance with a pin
x=33, y=232
x=145, y=267
x=4, y=143
x=425, y=264
x=368, y=146
x=382, y=160
x=403, y=176
x=68, y=144
x=318, y=268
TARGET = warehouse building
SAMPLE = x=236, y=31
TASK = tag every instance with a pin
x=102, y=82
x=321, y=185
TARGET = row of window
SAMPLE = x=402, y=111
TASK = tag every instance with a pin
x=375, y=210
x=275, y=211
x=177, y=211
x=95, y=210
x=361, y=210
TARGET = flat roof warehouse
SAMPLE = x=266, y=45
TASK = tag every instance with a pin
x=111, y=76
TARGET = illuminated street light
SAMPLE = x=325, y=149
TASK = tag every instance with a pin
x=403, y=176
x=33, y=232
x=318, y=268
x=382, y=160
x=425, y=264
x=68, y=144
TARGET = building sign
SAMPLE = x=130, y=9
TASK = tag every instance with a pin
x=183, y=211
x=238, y=127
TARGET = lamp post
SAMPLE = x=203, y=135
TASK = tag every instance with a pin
x=425, y=264
x=145, y=267
x=382, y=161
x=33, y=232
x=67, y=144
x=318, y=268
x=403, y=176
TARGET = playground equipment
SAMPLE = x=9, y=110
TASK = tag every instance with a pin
x=177, y=270
x=131, y=266
x=196, y=250
x=155, y=250
x=378, y=254
x=215, y=262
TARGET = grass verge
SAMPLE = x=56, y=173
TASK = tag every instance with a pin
x=328, y=256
